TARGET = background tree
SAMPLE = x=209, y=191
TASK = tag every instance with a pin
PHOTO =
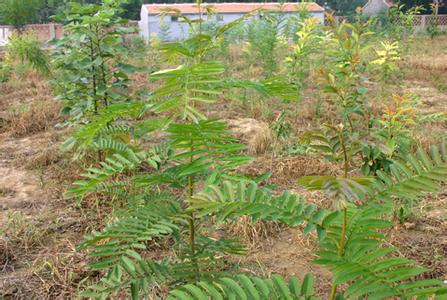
x=425, y=4
x=132, y=9
x=342, y=7
x=19, y=12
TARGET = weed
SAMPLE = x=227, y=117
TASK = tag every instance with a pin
x=262, y=36
x=27, y=50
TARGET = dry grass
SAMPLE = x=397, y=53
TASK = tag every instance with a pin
x=25, y=90
x=60, y=274
x=38, y=259
x=427, y=62
x=37, y=117
x=19, y=232
x=255, y=134
x=255, y=235
x=27, y=106
x=286, y=170
x=424, y=246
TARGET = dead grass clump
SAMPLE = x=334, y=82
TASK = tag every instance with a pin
x=19, y=285
x=33, y=88
x=255, y=134
x=53, y=275
x=22, y=231
x=6, y=191
x=4, y=124
x=426, y=62
x=19, y=232
x=40, y=116
x=61, y=274
x=252, y=233
x=285, y=171
x=428, y=249
x=45, y=158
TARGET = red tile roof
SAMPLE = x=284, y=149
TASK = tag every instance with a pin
x=191, y=8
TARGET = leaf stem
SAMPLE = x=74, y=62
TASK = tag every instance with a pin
x=93, y=71
x=341, y=246
x=192, y=227
x=345, y=154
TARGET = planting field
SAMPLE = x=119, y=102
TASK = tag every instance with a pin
x=228, y=164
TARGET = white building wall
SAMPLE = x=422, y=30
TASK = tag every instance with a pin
x=143, y=24
x=319, y=15
x=5, y=33
x=180, y=30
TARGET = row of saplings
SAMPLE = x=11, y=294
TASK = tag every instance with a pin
x=174, y=190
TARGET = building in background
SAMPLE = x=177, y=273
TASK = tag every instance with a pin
x=5, y=33
x=152, y=24
x=375, y=7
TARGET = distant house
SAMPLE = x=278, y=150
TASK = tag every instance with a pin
x=5, y=32
x=375, y=7
x=151, y=24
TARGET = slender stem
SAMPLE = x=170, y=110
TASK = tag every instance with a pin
x=343, y=99
x=341, y=242
x=333, y=292
x=351, y=126
x=192, y=226
x=199, y=3
x=102, y=66
x=92, y=59
x=192, y=229
x=345, y=155
x=341, y=247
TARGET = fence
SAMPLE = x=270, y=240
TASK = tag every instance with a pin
x=46, y=32
x=420, y=22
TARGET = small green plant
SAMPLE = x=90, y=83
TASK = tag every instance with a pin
x=5, y=71
x=375, y=157
x=387, y=58
x=281, y=127
x=344, y=78
x=400, y=24
x=396, y=126
x=432, y=26
x=27, y=49
x=263, y=38
x=164, y=29
x=299, y=61
x=351, y=236
x=198, y=151
x=335, y=142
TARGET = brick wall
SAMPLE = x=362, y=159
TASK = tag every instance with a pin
x=45, y=32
